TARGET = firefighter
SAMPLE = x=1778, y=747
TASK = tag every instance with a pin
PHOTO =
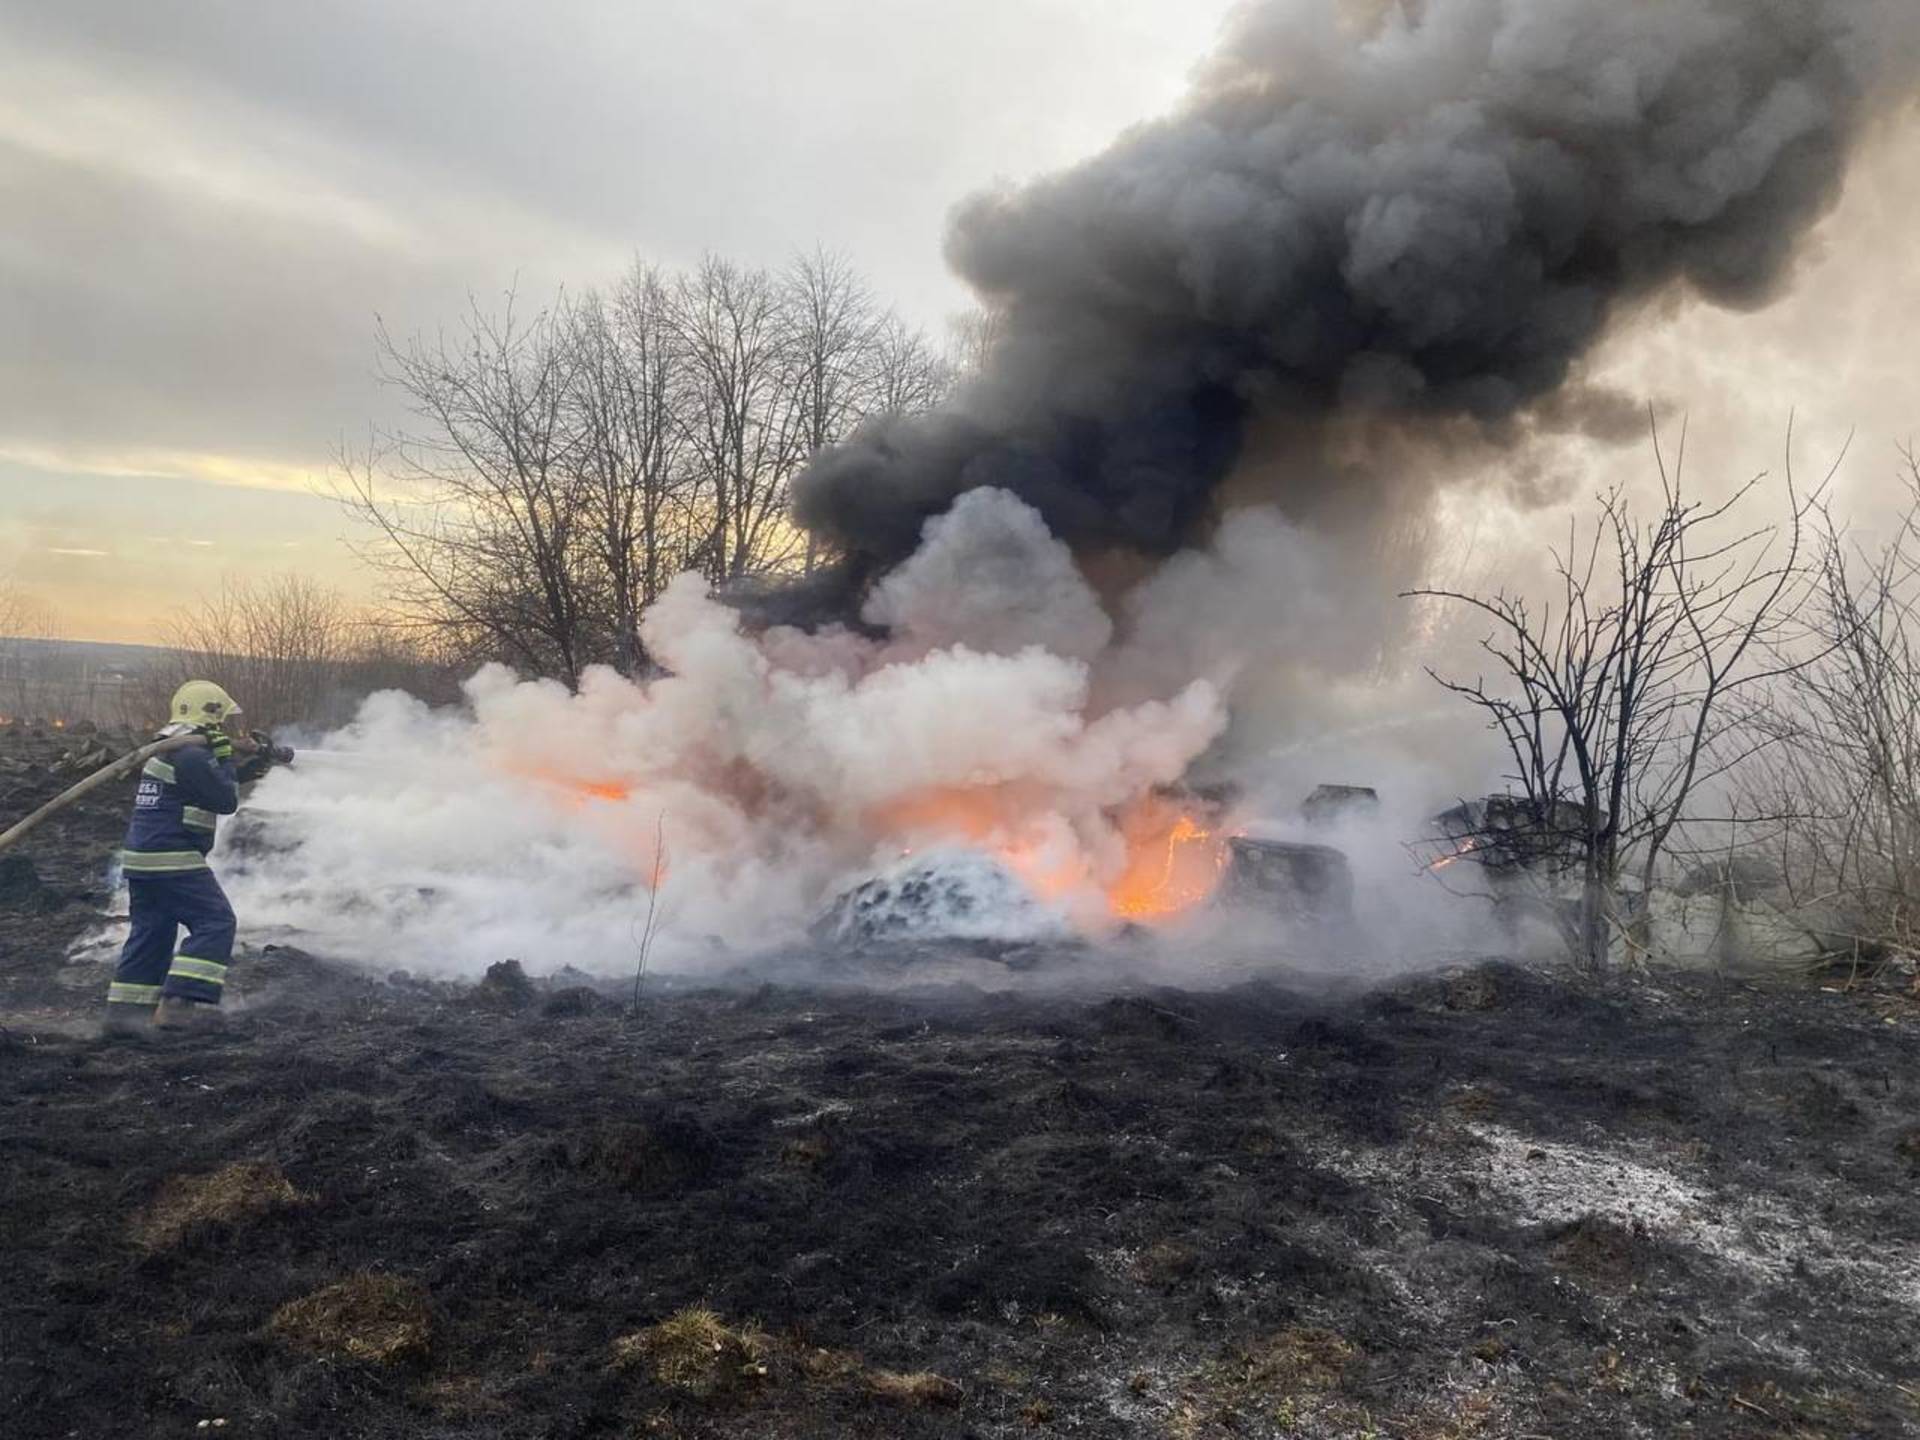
x=165, y=861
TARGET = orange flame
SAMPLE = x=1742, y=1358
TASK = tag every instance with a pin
x=1170, y=868
x=1174, y=852
x=1175, y=856
x=578, y=791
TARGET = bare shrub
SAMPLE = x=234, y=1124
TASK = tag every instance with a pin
x=1626, y=693
x=33, y=682
x=1840, y=784
x=291, y=651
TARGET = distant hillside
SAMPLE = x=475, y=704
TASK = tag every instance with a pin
x=93, y=656
x=72, y=680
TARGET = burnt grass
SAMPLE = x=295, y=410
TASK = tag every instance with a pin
x=1261, y=1210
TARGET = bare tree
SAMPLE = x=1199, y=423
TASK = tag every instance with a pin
x=745, y=429
x=645, y=515
x=565, y=467
x=832, y=327
x=909, y=376
x=1618, y=700
x=1841, y=785
x=484, y=513
x=975, y=333
x=846, y=359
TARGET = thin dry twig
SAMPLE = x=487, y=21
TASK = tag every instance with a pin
x=653, y=904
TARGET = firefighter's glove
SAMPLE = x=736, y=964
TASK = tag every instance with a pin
x=220, y=743
x=268, y=751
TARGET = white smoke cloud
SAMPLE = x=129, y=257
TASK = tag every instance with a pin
x=1002, y=714
x=779, y=768
x=1259, y=595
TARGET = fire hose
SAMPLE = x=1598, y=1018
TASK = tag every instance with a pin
x=125, y=765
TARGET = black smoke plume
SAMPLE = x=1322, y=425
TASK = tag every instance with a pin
x=1420, y=213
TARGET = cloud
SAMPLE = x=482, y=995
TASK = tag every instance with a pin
x=145, y=523
x=228, y=470
x=207, y=210
x=208, y=207
x=79, y=554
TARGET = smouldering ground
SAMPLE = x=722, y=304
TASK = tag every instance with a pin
x=1493, y=1204
x=1489, y=1205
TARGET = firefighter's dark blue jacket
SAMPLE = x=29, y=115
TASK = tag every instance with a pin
x=174, y=814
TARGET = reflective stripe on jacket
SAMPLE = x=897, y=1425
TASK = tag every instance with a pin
x=175, y=810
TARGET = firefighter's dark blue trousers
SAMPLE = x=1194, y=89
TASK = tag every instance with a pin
x=150, y=967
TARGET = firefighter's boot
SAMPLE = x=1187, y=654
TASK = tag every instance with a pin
x=123, y=1019
x=175, y=1014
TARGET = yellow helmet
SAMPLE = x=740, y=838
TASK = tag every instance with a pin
x=201, y=702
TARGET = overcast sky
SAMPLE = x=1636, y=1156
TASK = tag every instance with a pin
x=207, y=204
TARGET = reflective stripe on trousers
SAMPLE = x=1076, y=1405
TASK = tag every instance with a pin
x=161, y=862
x=193, y=968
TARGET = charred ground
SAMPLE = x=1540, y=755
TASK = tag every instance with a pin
x=1493, y=1203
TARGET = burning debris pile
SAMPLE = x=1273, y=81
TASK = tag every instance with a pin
x=781, y=768
x=957, y=895
x=1736, y=914
x=1302, y=882
x=1184, y=856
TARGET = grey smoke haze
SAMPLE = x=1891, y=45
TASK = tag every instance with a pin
x=1423, y=214
x=990, y=576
